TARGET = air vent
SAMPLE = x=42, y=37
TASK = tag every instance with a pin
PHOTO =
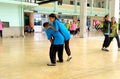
x=45, y=1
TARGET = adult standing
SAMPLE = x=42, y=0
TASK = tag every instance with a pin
x=73, y=28
x=113, y=32
x=70, y=27
x=78, y=26
x=1, y=28
x=63, y=30
x=106, y=31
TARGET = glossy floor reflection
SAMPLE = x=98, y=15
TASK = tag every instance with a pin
x=26, y=58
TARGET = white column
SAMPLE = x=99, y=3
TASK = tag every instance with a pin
x=114, y=9
x=55, y=6
x=83, y=18
x=106, y=7
x=92, y=6
x=21, y=19
x=75, y=6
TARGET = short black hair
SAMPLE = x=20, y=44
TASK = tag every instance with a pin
x=45, y=24
x=106, y=16
x=53, y=15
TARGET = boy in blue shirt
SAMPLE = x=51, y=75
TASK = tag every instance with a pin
x=57, y=41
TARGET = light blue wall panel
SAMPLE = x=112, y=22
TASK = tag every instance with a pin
x=11, y=13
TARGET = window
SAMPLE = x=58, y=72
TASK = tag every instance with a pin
x=78, y=3
x=103, y=4
x=37, y=19
x=5, y=24
x=71, y=2
x=99, y=4
x=31, y=1
x=60, y=2
x=88, y=4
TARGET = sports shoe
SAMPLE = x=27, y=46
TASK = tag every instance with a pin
x=59, y=61
x=105, y=49
x=51, y=64
x=118, y=49
x=69, y=58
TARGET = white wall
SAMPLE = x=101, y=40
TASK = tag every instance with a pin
x=14, y=15
x=11, y=14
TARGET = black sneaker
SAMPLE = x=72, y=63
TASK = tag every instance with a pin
x=118, y=49
x=59, y=61
x=51, y=64
x=103, y=49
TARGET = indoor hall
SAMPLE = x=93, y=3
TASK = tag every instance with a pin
x=27, y=58
x=24, y=47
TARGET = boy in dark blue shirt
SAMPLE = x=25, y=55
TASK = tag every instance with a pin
x=57, y=41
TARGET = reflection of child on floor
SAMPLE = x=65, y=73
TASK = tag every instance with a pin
x=57, y=41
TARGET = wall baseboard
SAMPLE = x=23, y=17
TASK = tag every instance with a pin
x=13, y=32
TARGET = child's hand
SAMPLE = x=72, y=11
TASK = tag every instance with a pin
x=49, y=27
x=51, y=41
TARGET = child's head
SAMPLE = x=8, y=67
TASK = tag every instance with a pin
x=46, y=25
x=52, y=17
x=113, y=19
x=106, y=17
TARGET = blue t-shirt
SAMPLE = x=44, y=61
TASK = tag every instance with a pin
x=58, y=39
x=62, y=29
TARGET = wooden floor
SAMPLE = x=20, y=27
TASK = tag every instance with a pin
x=26, y=58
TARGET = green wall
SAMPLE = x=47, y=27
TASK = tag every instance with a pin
x=12, y=14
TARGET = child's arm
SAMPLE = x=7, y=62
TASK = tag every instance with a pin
x=49, y=35
x=101, y=25
x=51, y=41
x=53, y=28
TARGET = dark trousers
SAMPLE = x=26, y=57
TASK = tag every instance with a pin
x=117, y=38
x=0, y=33
x=53, y=50
x=106, y=41
x=67, y=48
